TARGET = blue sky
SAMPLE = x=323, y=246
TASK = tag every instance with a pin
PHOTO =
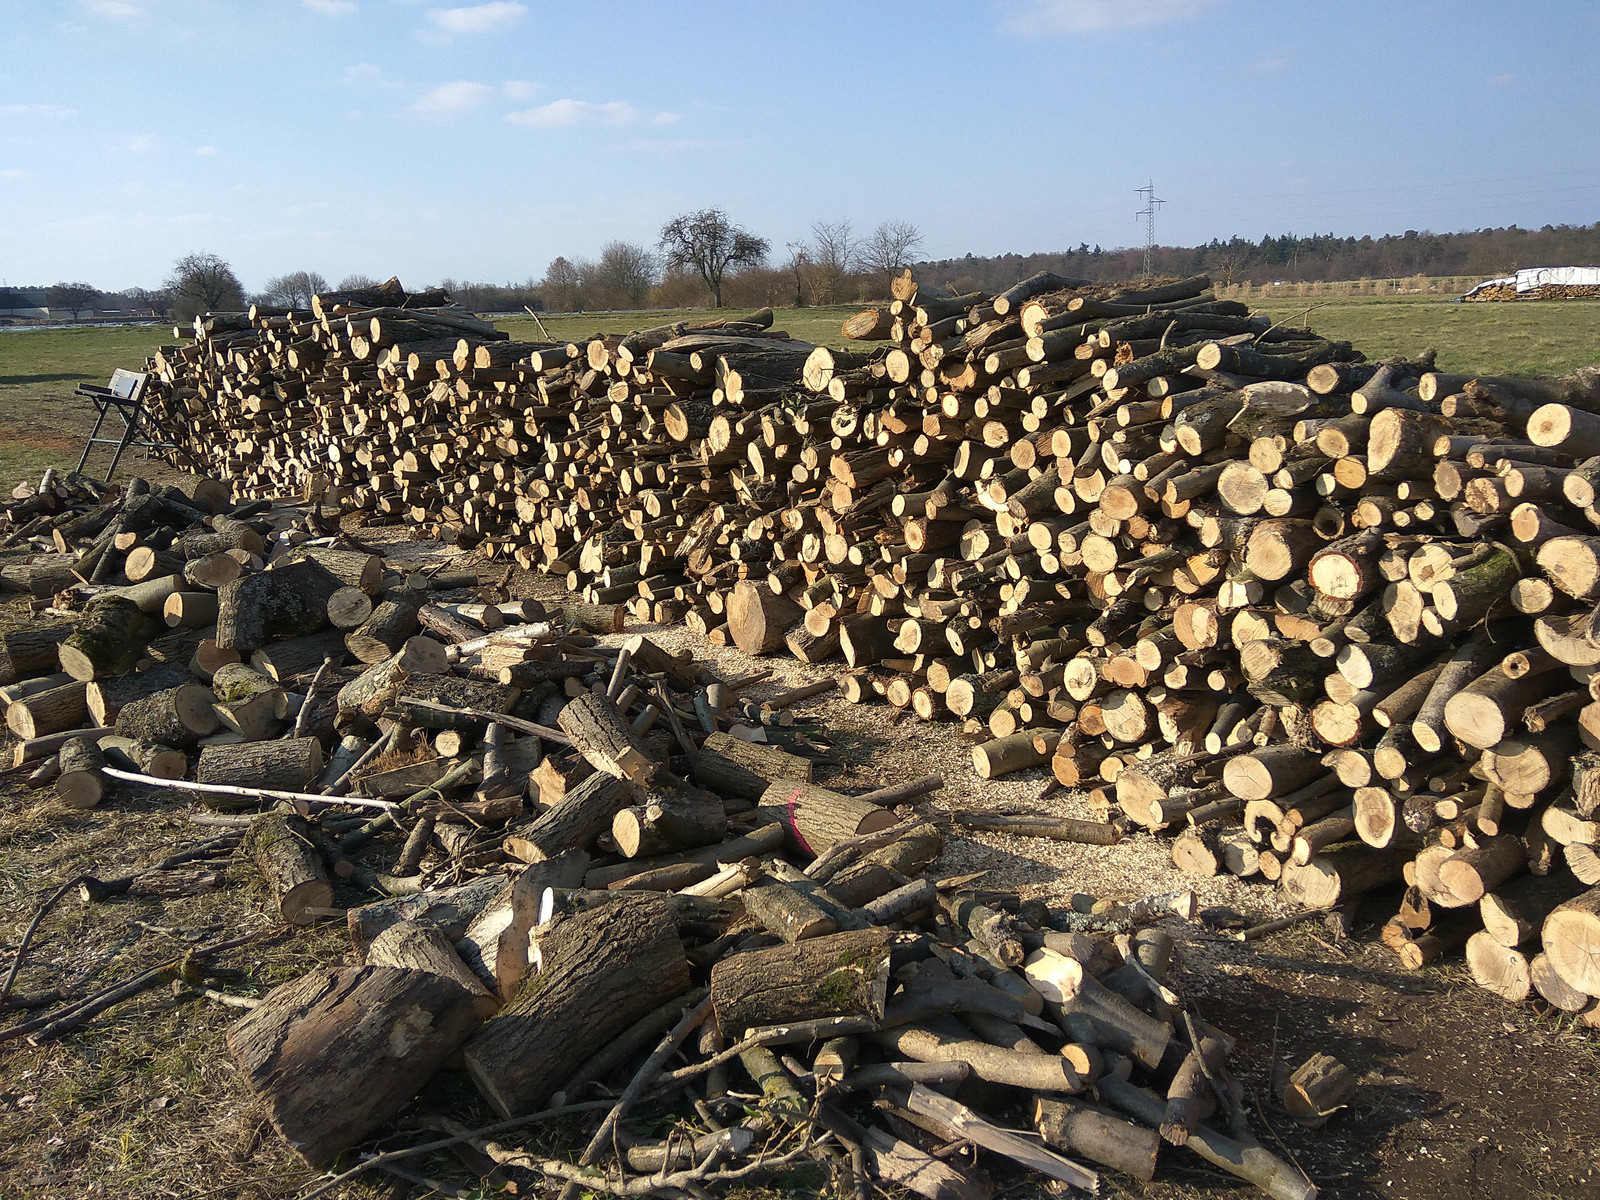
x=433, y=139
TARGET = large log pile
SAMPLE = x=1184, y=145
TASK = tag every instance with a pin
x=1143, y=537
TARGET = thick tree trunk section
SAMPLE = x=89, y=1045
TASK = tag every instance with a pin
x=178, y=717
x=107, y=697
x=288, y=765
x=1097, y=1135
x=583, y=814
x=670, y=821
x=49, y=711
x=147, y=758
x=601, y=733
x=1572, y=941
x=80, y=783
x=418, y=946
x=285, y=602
x=741, y=769
x=338, y=1053
x=283, y=850
x=841, y=975
x=496, y=944
x=32, y=651
x=758, y=618
x=600, y=971
x=105, y=641
x=383, y=632
x=814, y=818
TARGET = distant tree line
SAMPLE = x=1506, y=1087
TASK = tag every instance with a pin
x=1294, y=259
x=703, y=259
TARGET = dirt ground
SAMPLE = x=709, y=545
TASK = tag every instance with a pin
x=1462, y=1096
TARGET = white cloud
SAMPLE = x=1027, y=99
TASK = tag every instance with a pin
x=481, y=18
x=331, y=8
x=139, y=143
x=1500, y=81
x=666, y=118
x=559, y=114
x=15, y=173
x=451, y=98
x=1050, y=18
x=519, y=89
x=36, y=110
x=205, y=151
x=117, y=9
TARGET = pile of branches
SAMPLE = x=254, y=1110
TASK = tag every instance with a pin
x=582, y=868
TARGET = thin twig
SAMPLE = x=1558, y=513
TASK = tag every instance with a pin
x=27, y=937
x=303, y=718
x=517, y=723
x=379, y=1160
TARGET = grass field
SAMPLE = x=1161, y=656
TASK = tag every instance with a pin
x=42, y=425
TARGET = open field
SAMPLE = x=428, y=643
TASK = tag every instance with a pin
x=42, y=425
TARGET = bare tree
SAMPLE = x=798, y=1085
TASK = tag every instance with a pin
x=891, y=246
x=625, y=273
x=295, y=289
x=356, y=281
x=708, y=243
x=833, y=256
x=563, y=285
x=74, y=297
x=203, y=282
x=799, y=265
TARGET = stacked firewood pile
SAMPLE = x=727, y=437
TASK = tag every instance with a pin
x=1327, y=619
x=593, y=866
x=1547, y=291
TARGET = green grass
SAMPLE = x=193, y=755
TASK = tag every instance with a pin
x=42, y=424
x=1535, y=337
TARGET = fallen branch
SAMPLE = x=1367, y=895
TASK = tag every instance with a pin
x=227, y=789
x=27, y=936
x=517, y=723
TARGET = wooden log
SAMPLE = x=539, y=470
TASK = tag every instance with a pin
x=339, y=1052
x=1498, y=968
x=352, y=568
x=759, y=619
x=106, y=641
x=1270, y=771
x=842, y=974
x=50, y=711
x=601, y=733
x=80, y=783
x=814, y=819
x=419, y=946
x=386, y=629
x=1515, y=910
x=741, y=769
x=496, y=945
x=947, y=1040
x=31, y=650
x=1098, y=1135
x=585, y=812
x=1321, y=1085
x=282, y=848
x=284, y=661
x=289, y=764
x=146, y=758
x=1342, y=872
x=787, y=912
x=1571, y=933
x=381, y=685
x=288, y=601
x=669, y=821
x=600, y=970
x=177, y=717
x=452, y=909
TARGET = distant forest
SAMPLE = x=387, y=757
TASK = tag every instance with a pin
x=1484, y=252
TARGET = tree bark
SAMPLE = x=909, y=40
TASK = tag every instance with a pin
x=840, y=975
x=338, y=1053
x=283, y=850
x=600, y=971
